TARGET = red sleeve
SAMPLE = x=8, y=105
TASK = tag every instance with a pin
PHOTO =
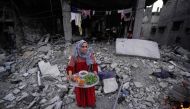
x=95, y=65
x=71, y=65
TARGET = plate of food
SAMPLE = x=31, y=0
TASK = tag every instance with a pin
x=86, y=80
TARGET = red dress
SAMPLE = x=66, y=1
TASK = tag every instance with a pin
x=84, y=96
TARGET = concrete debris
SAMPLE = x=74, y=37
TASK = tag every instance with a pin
x=145, y=81
x=32, y=71
x=134, y=65
x=53, y=100
x=182, y=51
x=25, y=74
x=50, y=106
x=45, y=49
x=33, y=102
x=110, y=85
x=2, y=101
x=58, y=105
x=2, y=69
x=138, y=84
x=43, y=101
x=136, y=47
x=126, y=85
x=9, y=97
x=16, y=91
x=63, y=87
x=163, y=84
x=48, y=70
x=114, y=65
x=187, y=74
x=23, y=95
x=2, y=58
x=22, y=86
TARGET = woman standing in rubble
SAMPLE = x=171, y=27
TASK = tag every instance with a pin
x=83, y=59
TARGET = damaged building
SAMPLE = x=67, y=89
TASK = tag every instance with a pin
x=143, y=57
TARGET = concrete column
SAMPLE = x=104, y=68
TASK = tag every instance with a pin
x=66, y=13
x=138, y=19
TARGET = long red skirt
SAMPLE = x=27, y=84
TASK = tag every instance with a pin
x=85, y=97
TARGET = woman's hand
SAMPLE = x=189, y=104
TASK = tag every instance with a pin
x=95, y=72
x=69, y=76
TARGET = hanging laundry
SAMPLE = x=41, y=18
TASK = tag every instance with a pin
x=107, y=12
x=77, y=18
x=122, y=13
x=125, y=11
x=93, y=12
x=86, y=13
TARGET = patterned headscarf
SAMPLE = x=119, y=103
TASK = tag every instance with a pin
x=77, y=52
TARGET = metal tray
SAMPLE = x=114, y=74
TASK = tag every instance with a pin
x=85, y=85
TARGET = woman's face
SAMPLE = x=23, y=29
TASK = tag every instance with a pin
x=84, y=48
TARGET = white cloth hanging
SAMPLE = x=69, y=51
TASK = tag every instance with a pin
x=77, y=18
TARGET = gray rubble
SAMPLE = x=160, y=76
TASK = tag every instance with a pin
x=21, y=90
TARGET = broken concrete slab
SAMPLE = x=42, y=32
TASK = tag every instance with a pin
x=23, y=95
x=48, y=70
x=2, y=69
x=16, y=91
x=9, y=97
x=110, y=85
x=137, y=47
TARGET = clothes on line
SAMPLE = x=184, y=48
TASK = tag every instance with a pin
x=78, y=20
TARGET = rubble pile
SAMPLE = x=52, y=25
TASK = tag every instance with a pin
x=37, y=78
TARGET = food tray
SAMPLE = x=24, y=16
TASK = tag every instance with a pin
x=85, y=85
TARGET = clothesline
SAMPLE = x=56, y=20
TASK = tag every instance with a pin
x=57, y=9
